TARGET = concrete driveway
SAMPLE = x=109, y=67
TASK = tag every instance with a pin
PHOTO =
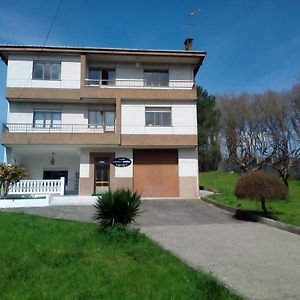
x=257, y=261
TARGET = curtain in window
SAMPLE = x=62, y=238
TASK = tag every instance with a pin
x=109, y=120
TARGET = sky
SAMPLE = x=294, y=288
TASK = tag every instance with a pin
x=252, y=45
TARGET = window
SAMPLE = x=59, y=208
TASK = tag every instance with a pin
x=102, y=119
x=102, y=77
x=109, y=117
x=156, y=78
x=46, y=70
x=95, y=118
x=158, y=116
x=46, y=119
x=94, y=77
x=56, y=175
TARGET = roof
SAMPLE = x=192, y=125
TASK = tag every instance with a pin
x=193, y=57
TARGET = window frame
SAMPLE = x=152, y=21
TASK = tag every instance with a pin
x=156, y=111
x=100, y=81
x=96, y=124
x=64, y=173
x=43, y=63
x=45, y=125
x=152, y=80
x=103, y=125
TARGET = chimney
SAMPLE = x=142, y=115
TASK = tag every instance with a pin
x=188, y=44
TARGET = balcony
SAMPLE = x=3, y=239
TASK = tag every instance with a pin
x=139, y=89
x=140, y=83
x=110, y=89
x=58, y=128
x=65, y=134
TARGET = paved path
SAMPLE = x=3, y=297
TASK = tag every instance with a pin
x=257, y=261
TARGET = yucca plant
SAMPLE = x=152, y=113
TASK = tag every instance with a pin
x=117, y=207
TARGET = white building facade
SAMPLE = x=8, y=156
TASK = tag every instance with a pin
x=74, y=111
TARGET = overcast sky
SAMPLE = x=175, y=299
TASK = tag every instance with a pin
x=252, y=45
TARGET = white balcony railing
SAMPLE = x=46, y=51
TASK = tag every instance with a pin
x=57, y=128
x=140, y=83
x=53, y=186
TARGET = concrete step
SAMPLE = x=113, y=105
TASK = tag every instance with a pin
x=72, y=200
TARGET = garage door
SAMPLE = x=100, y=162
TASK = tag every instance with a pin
x=155, y=172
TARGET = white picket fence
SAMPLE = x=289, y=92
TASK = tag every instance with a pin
x=51, y=186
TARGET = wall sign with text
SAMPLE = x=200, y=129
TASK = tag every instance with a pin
x=121, y=162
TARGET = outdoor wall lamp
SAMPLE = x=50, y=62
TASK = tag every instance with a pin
x=52, y=160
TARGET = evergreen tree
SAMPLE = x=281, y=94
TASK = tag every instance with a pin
x=208, y=118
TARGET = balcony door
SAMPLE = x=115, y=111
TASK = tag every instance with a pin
x=104, y=120
x=101, y=178
x=103, y=77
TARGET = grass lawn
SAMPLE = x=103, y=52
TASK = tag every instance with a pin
x=42, y=258
x=287, y=211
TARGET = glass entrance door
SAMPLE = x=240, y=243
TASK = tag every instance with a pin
x=101, y=175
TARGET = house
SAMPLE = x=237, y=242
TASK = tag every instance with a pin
x=104, y=118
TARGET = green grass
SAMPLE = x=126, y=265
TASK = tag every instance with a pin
x=42, y=258
x=287, y=211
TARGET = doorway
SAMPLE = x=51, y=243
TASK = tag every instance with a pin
x=101, y=177
x=56, y=174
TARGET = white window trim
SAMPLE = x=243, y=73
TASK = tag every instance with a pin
x=103, y=125
x=44, y=121
x=46, y=62
x=163, y=109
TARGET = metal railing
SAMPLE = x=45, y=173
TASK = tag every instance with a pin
x=140, y=83
x=57, y=128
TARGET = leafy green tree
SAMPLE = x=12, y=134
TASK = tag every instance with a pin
x=9, y=175
x=208, y=119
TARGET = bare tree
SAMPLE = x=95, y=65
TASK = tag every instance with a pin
x=262, y=130
x=280, y=148
x=239, y=129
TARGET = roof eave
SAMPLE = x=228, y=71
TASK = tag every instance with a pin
x=6, y=49
x=18, y=48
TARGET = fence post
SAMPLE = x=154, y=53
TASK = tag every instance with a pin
x=62, y=186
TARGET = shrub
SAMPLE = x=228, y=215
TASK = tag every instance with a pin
x=9, y=175
x=260, y=186
x=119, y=207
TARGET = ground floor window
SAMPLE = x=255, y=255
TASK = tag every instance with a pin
x=56, y=175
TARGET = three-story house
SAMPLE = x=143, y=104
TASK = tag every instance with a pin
x=71, y=111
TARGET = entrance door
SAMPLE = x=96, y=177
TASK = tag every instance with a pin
x=101, y=175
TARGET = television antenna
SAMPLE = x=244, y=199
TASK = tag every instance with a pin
x=191, y=15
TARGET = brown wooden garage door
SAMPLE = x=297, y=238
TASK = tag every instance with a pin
x=155, y=172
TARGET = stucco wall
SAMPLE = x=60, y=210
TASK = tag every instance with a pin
x=184, y=117
x=36, y=164
x=20, y=67
x=71, y=113
x=188, y=162
x=188, y=172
